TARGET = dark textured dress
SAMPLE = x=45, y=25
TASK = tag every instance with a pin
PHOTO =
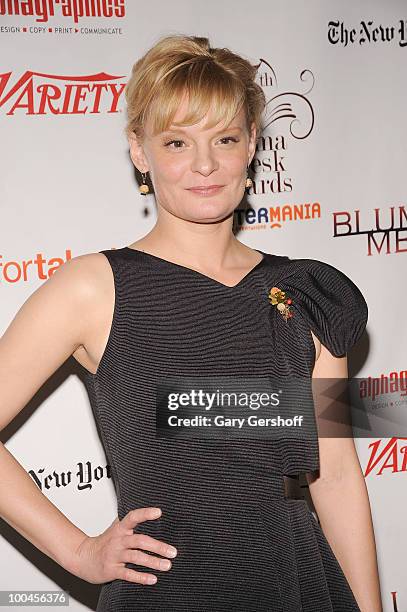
x=243, y=545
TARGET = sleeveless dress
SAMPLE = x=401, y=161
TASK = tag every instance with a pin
x=243, y=544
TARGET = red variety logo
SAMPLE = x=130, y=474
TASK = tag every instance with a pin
x=35, y=94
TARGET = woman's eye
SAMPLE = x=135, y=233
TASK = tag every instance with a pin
x=167, y=144
x=230, y=138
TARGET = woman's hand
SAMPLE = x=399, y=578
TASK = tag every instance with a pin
x=102, y=558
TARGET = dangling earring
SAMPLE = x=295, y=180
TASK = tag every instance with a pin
x=249, y=181
x=144, y=188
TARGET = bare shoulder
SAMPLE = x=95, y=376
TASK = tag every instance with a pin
x=68, y=314
x=83, y=281
x=84, y=273
x=77, y=301
x=92, y=276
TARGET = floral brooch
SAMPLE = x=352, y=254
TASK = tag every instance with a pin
x=278, y=298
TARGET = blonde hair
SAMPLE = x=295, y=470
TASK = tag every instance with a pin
x=213, y=78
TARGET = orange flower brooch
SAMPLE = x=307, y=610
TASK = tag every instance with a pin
x=278, y=298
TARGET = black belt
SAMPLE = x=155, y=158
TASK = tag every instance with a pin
x=292, y=487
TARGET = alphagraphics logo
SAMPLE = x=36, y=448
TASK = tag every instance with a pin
x=73, y=9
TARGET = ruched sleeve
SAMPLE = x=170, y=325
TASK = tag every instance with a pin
x=330, y=302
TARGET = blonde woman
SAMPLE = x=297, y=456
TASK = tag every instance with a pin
x=189, y=302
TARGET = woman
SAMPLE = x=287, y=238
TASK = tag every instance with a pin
x=190, y=302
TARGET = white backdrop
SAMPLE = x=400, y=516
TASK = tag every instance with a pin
x=336, y=145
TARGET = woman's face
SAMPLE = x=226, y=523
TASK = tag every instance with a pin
x=194, y=156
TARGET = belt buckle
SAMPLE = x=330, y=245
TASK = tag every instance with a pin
x=292, y=487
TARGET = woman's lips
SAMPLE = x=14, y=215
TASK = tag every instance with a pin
x=206, y=191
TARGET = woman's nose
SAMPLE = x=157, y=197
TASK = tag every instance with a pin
x=204, y=161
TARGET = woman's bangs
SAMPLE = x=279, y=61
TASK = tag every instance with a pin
x=208, y=92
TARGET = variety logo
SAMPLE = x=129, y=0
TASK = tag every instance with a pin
x=36, y=93
x=73, y=9
x=390, y=455
x=394, y=601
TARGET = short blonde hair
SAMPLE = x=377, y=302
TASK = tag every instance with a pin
x=213, y=78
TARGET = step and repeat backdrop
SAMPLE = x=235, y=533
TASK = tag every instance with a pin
x=328, y=183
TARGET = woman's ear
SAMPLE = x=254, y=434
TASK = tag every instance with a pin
x=137, y=153
x=252, y=143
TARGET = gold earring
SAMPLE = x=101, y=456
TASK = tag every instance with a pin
x=144, y=188
x=249, y=182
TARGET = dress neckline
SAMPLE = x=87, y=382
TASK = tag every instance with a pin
x=209, y=279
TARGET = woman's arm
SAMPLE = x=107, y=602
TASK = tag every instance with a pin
x=47, y=329
x=67, y=313
x=341, y=499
